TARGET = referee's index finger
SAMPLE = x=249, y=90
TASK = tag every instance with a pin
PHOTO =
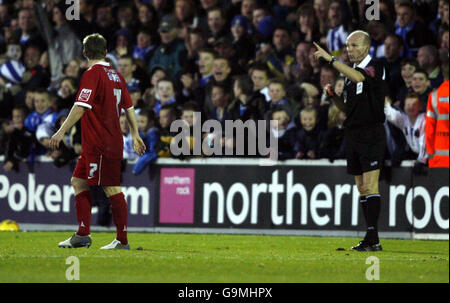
x=316, y=45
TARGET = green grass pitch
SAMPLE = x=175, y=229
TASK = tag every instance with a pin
x=198, y=258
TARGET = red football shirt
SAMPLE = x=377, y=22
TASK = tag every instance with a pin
x=104, y=93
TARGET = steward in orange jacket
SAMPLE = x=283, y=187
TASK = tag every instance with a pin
x=437, y=125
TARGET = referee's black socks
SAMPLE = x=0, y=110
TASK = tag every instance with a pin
x=373, y=213
x=363, y=201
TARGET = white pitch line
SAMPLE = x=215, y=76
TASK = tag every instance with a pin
x=362, y=258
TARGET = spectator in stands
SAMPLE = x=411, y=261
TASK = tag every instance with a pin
x=248, y=104
x=337, y=34
x=301, y=70
x=328, y=75
x=70, y=148
x=166, y=93
x=247, y=8
x=243, y=45
x=27, y=33
x=260, y=75
x=321, y=12
x=151, y=94
x=73, y=69
x=172, y=52
x=421, y=85
x=443, y=41
x=277, y=93
x=105, y=23
x=43, y=113
x=186, y=16
x=307, y=27
x=150, y=134
x=12, y=73
x=333, y=145
x=63, y=44
x=126, y=18
x=122, y=46
x=138, y=102
x=414, y=33
x=316, y=66
x=144, y=47
x=393, y=47
x=195, y=41
x=265, y=29
x=18, y=140
x=221, y=75
x=216, y=25
x=309, y=136
x=259, y=12
x=126, y=66
x=194, y=85
x=411, y=122
x=187, y=116
x=86, y=25
x=167, y=115
x=282, y=55
x=408, y=67
x=148, y=17
x=286, y=134
x=377, y=34
x=221, y=98
x=128, y=151
x=428, y=59
x=203, y=12
x=66, y=94
x=224, y=47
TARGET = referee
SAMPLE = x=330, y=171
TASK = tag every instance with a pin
x=363, y=103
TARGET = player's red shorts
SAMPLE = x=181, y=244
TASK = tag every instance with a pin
x=98, y=170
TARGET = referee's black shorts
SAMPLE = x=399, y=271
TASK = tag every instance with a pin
x=365, y=148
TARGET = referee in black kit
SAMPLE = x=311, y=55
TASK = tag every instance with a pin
x=363, y=103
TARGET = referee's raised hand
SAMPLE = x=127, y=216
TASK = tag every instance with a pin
x=321, y=53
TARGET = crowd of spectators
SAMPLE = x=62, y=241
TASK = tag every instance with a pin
x=228, y=59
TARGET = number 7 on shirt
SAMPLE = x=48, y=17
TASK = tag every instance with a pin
x=118, y=94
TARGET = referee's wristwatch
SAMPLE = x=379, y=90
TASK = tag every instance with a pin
x=333, y=58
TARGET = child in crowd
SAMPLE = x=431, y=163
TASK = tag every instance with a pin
x=310, y=136
x=128, y=151
x=286, y=133
x=43, y=113
x=333, y=145
x=277, y=94
x=18, y=141
x=146, y=121
x=412, y=123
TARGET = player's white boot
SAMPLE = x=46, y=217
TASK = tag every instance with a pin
x=76, y=241
x=116, y=244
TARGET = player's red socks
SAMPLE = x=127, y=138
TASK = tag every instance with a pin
x=83, y=205
x=120, y=216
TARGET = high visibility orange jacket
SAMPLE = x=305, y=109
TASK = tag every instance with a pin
x=436, y=127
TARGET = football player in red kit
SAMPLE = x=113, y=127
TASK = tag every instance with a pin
x=101, y=98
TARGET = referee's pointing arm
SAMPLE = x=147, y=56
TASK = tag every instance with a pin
x=358, y=46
